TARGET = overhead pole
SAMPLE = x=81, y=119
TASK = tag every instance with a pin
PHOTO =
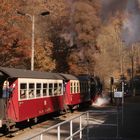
x=32, y=17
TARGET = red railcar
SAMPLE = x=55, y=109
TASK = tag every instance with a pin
x=39, y=93
x=77, y=90
x=35, y=94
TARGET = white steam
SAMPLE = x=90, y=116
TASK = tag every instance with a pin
x=131, y=26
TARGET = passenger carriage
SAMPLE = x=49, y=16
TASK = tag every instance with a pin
x=35, y=94
x=77, y=90
x=38, y=93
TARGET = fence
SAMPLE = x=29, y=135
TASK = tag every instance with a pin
x=83, y=126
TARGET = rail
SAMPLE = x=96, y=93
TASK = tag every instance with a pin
x=82, y=122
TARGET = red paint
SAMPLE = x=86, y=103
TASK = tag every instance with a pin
x=75, y=98
x=30, y=108
x=37, y=107
x=12, y=107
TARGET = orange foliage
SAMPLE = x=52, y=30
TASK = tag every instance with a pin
x=11, y=39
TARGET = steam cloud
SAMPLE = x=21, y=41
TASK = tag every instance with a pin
x=131, y=25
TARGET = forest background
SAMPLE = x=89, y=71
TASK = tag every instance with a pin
x=96, y=37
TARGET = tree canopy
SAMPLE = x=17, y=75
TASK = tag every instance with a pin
x=78, y=36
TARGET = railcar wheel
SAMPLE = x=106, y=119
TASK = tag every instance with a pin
x=71, y=108
x=35, y=120
x=4, y=130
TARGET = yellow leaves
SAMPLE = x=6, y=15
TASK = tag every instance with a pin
x=57, y=9
x=78, y=19
x=43, y=56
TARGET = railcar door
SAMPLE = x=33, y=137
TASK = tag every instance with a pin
x=3, y=101
x=6, y=90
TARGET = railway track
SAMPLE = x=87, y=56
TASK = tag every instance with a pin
x=44, y=123
x=32, y=128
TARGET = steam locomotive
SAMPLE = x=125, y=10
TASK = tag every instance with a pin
x=36, y=93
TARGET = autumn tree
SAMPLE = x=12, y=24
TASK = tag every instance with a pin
x=13, y=46
x=42, y=45
x=85, y=26
x=68, y=29
x=110, y=61
x=43, y=56
x=57, y=27
x=71, y=27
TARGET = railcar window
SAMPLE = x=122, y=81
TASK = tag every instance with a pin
x=74, y=87
x=60, y=88
x=23, y=91
x=31, y=90
x=45, y=89
x=38, y=89
x=71, y=87
x=55, y=89
x=78, y=87
x=50, y=89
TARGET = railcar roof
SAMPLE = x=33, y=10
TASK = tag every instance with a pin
x=84, y=77
x=22, y=73
x=69, y=76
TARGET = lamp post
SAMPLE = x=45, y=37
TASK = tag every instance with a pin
x=33, y=42
x=32, y=17
x=132, y=69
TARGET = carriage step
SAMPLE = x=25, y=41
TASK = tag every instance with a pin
x=10, y=124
